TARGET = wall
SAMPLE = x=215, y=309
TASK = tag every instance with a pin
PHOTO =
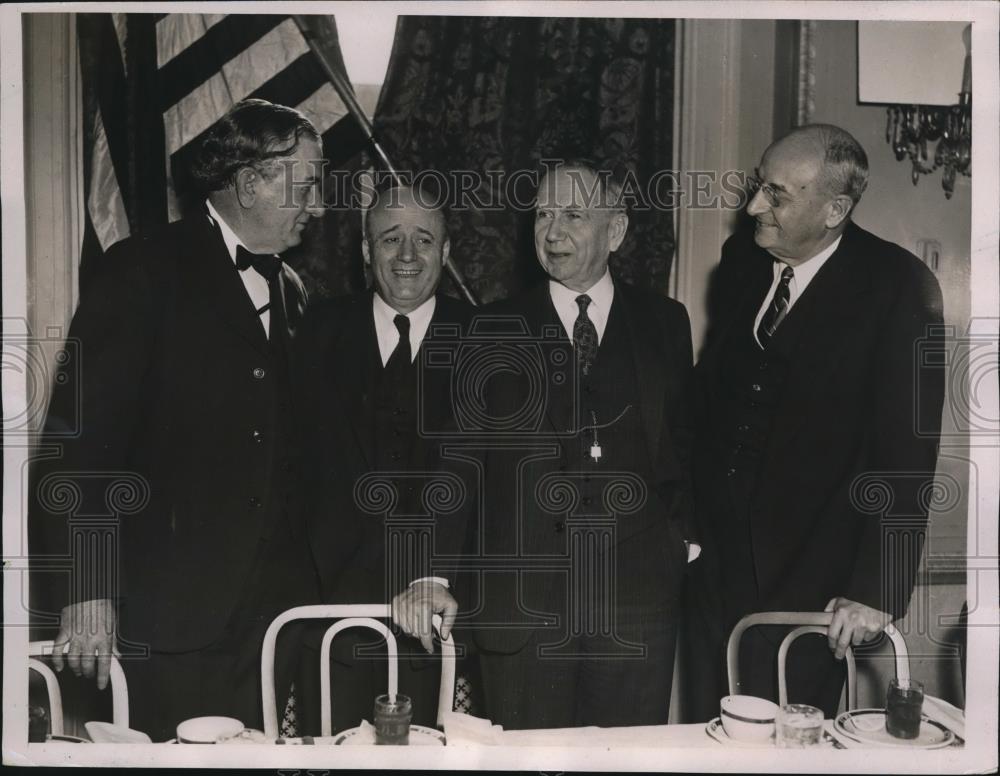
x=724, y=119
x=53, y=190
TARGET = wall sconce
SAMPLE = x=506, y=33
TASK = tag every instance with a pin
x=913, y=67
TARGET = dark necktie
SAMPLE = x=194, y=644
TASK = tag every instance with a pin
x=268, y=266
x=585, y=335
x=399, y=361
x=777, y=310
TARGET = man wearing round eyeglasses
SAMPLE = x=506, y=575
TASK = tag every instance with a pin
x=814, y=405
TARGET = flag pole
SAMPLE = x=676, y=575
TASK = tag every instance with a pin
x=346, y=92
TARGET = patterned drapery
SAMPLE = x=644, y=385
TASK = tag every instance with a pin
x=492, y=96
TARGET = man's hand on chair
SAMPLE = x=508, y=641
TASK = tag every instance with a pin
x=87, y=636
x=852, y=624
x=413, y=609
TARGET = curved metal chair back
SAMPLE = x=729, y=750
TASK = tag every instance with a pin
x=808, y=622
x=348, y=616
x=119, y=687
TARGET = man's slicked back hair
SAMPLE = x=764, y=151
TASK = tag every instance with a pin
x=252, y=134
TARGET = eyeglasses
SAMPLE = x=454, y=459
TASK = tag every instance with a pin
x=755, y=184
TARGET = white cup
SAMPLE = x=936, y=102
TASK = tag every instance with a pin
x=747, y=718
x=208, y=730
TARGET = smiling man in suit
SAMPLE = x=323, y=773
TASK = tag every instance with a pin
x=369, y=409
x=183, y=391
x=810, y=392
x=588, y=516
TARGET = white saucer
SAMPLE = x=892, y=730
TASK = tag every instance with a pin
x=867, y=726
x=365, y=736
x=716, y=731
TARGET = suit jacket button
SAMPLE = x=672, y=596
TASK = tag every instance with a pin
x=743, y=427
x=560, y=526
x=254, y=501
x=257, y=436
x=755, y=387
x=259, y=373
x=730, y=472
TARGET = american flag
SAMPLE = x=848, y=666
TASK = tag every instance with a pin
x=155, y=83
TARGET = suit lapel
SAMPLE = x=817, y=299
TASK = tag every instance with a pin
x=222, y=291
x=354, y=360
x=813, y=333
x=434, y=396
x=754, y=285
x=649, y=357
x=543, y=321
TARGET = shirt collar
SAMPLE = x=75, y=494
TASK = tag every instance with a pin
x=420, y=319
x=806, y=271
x=228, y=235
x=601, y=294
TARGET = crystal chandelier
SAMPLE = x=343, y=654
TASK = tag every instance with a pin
x=910, y=129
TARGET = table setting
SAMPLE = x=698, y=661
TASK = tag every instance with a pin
x=910, y=720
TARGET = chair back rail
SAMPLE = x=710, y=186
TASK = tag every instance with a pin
x=119, y=686
x=812, y=622
x=358, y=613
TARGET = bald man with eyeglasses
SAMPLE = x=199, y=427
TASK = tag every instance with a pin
x=811, y=394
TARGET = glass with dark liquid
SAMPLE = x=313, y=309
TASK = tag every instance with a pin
x=903, y=705
x=392, y=720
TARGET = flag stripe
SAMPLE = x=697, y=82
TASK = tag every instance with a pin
x=240, y=77
x=108, y=81
x=323, y=107
x=104, y=201
x=146, y=193
x=293, y=84
x=223, y=44
x=343, y=141
x=176, y=31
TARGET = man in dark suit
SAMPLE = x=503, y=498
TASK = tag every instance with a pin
x=372, y=414
x=185, y=442
x=583, y=542
x=812, y=402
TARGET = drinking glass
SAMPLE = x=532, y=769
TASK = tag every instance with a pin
x=798, y=726
x=904, y=702
x=392, y=720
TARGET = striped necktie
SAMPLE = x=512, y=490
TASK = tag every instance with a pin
x=777, y=310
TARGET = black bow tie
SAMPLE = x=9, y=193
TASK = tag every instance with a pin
x=267, y=265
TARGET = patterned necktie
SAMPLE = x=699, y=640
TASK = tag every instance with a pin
x=401, y=357
x=777, y=310
x=584, y=335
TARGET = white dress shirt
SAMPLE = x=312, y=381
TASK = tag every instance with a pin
x=388, y=335
x=601, y=294
x=802, y=277
x=254, y=282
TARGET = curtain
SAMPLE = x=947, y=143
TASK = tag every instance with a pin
x=499, y=95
